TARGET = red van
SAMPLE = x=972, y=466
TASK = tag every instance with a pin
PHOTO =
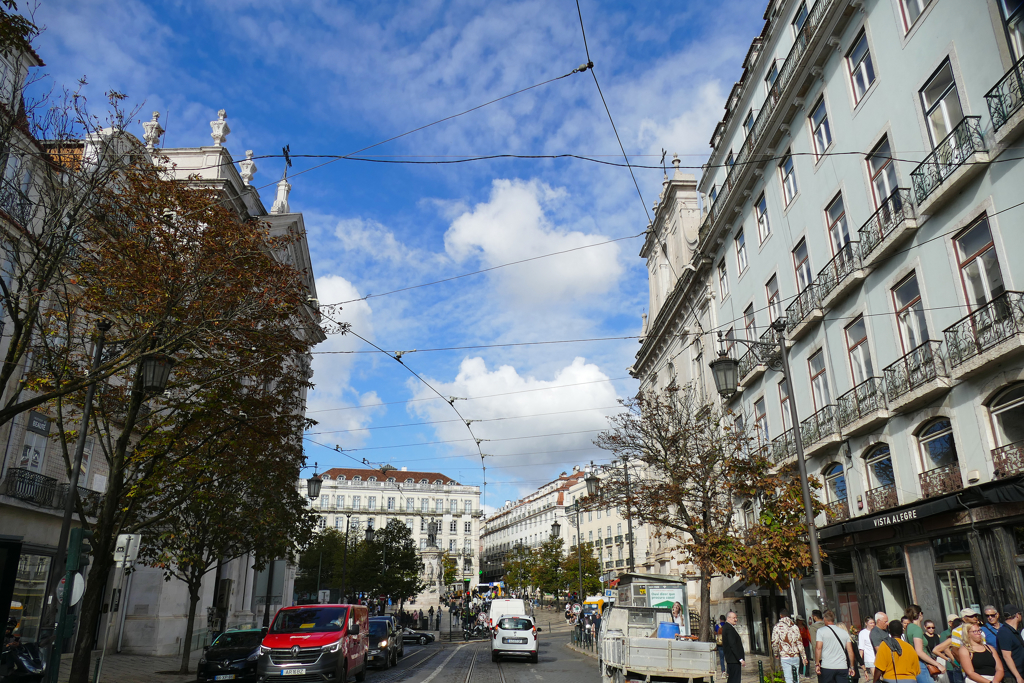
x=315, y=643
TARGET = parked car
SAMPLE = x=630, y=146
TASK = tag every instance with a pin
x=514, y=635
x=383, y=643
x=410, y=636
x=231, y=657
x=397, y=629
x=316, y=640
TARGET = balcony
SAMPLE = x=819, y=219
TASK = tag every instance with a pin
x=837, y=511
x=1008, y=460
x=620, y=563
x=783, y=448
x=90, y=499
x=840, y=276
x=916, y=378
x=1006, y=104
x=889, y=227
x=803, y=313
x=881, y=498
x=608, y=541
x=985, y=335
x=941, y=480
x=863, y=407
x=820, y=431
x=609, y=564
x=618, y=540
x=30, y=486
x=756, y=360
x=956, y=159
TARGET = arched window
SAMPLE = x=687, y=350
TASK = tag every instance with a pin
x=424, y=481
x=325, y=477
x=372, y=479
x=748, y=516
x=391, y=480
x=835, y=483
x=879, y=467
x=341, y=477
x=937, y=446
x=1008, y=415
x=438, y=482
x=357, y=478
x=410, y=480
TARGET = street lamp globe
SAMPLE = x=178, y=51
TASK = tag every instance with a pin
x=725, y=370
x=313, y=485
x=593, y=481
x=156, y=369
x=556, y=529
x=369, y=534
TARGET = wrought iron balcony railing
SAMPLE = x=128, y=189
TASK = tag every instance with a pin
x=894, y=212
x=922, y=365
x=90, y=499
x=985, y=327
x=820, y=425
x=941, y=480
x=15, y=203
x=838, y=269
x=783, y=446
x=864, y=399
x=30, y=486
x=1008, y=460
x=801, y=307
x=1007, y=96
x=837, y=511
x=949, y=155
x=881, y=498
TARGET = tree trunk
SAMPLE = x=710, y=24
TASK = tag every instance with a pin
x=705, y=607
x=193, y=601
x=99, y=570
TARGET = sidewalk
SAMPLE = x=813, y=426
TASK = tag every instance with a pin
x=134, y=668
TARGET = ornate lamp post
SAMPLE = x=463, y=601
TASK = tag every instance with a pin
x=726, y=373
x=313, y=485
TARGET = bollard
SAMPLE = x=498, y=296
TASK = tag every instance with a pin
x=760, y=671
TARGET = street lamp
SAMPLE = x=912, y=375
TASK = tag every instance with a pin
x=156, y=369
x=344, y=559
x=313, y=485
x=775, y=354
x=579, y=537
x=556, y=529
x=369, y=534
x=593, y=482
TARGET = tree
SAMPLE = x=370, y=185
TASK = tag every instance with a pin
x=449, y=568
x=320, y=562
x=176, y=273
x=389, y=564
x=547, y=573
x=591, y=571
x=682, y=452
x=518, y=568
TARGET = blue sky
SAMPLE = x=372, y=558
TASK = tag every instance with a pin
x=331, y=78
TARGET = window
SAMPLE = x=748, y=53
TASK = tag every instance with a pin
x=423, y=524
x=357, y=478
x=467, y=527
x=356, y=502
x=325, y=502
x=33, y=454
x=1013, y=18
x=410, y=505
x=800, y=18
x=729, y=161
x=761, y=421
x=590, y=536
x=941, y=104
x=1008, y=415
x=749, y=324
x=910, y=313
x=979, y=265
x=820, y=131
x=748, y=123
x=467, y=506
x=787, y=421
x=819, y=380
x=373, y=502
x=741, y=252
x=862, y=71
x=838, y=231
x=748, y=515
x=391, y=503
x=590, y=516
x=802, y=266
x=879, y=467
x=337, y=522
x=424, y=504
x=453, y=506
x=713, y=194
x=912, y=9
x=883, y=172
x=453, y=527
x=860, y=354
x=438, y=506
x=788, y=176
x=764, y=228
x=599, y=514
x=769, y=80
x=372, y=479
x=339, y=502
x=937, y=446
x=774, y=302
x=835, y=483
x=618, y=529
x=723, y=280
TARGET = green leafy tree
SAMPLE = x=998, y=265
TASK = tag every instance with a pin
x=320, y=562
x=449, y=568
x=518, y=568
x=591, y=570
x=548, y=574
x=389, y=564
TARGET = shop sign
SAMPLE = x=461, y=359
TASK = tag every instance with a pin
x=38, y=423
x=897, y=518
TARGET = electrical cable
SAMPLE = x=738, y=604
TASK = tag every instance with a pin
x=434, y=443
x=490, y=346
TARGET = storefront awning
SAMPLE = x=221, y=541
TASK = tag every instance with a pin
x=742, y=589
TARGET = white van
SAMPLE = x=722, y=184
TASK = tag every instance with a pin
x=502, y=606
x=514, y=635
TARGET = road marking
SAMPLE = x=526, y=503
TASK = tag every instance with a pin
x=443, y=664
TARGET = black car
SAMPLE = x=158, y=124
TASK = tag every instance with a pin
x=231, y=657
x=397, y=629
x=384, y=642
x=410, y=636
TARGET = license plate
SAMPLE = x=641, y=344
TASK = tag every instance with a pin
x=224, y=677
x=514, y=641
x=293, y=672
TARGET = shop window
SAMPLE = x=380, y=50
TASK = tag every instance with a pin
x=1018, y=537
x=846, y=600
x=952, y=549
x=958, y=589
x=1008, y=415
x=835, y=483
x=842, y=563
x=937, y=446
x=879, y=467
x=29, y=587
x=890, y=557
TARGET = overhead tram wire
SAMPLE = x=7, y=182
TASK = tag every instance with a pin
x=494, y=346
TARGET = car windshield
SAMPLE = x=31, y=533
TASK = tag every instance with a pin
x=515, y=624
x=310, y=620
x=238, y=639
x=378, y=628
x=589, y=608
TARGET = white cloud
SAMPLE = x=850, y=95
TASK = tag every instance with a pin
x=514, y=224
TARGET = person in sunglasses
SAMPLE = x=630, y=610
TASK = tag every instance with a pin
x=990, y=625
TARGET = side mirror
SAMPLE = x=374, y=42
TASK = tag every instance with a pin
x=354, y=629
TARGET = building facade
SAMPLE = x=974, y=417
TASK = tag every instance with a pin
x=353, y=499
x=863, y=187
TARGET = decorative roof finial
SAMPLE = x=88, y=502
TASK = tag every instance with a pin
x=248, y=167
x=281, y=201
x=153, y=131
x=678, y=175
x=220, y=128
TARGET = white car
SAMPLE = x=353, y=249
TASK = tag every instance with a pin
x=514, y=635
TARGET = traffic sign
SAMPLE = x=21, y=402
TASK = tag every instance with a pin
x=127, y=549
x=77, y=589
x=324, y=597
x=607, y=577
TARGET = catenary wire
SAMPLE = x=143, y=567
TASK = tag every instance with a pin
x=492, y=346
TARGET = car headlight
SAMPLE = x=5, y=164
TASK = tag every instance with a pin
x=264, y=650
x=384, y=643
x=332, y=647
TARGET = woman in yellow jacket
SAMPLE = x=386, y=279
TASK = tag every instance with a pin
x=896, y=660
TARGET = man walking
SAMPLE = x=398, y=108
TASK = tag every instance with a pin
x=881, y=630
x=867, y=650
x=733, y=646
x=788, y=646
x=833, y=652
x=1011, y=645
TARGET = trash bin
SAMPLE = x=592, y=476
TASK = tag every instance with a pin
x=423, y=624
